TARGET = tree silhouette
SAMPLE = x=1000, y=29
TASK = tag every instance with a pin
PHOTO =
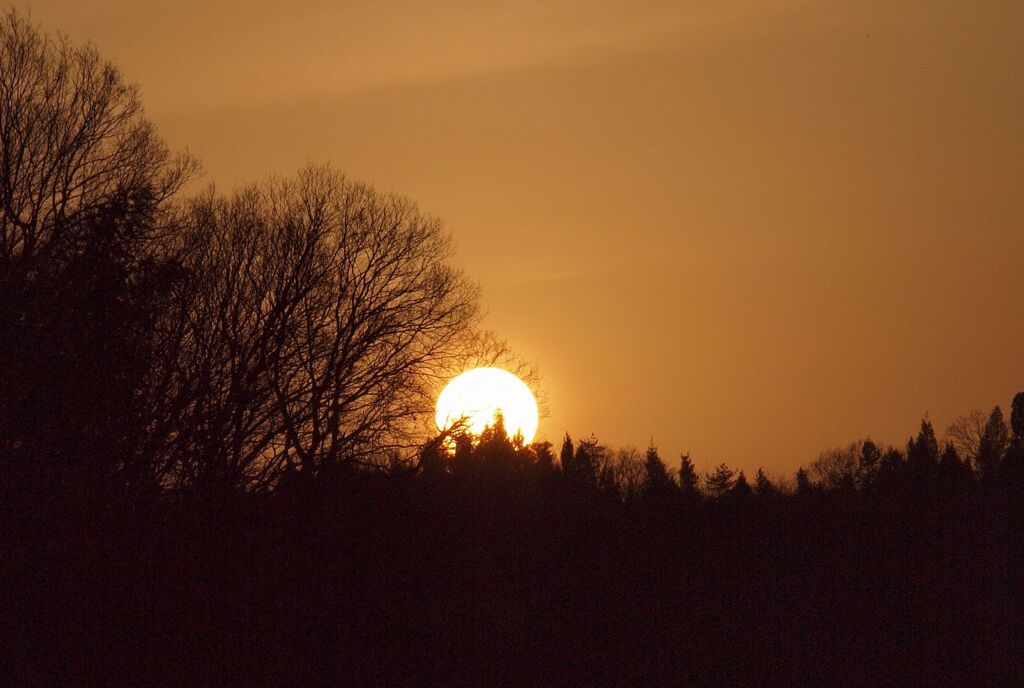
x=763, y=485
x=463, y=460
x=923, y=452
x=1014, y=459
x=73, y=140
x=689, y=481
x=500, y=455
x=720, y=481
x=955, y=473
x=803, y=482
x=994, y=442
x=655, y=471
x=317, y=321
x=1013, y=462
x=1017, y=415
x=545, y=456
x=868, y=464
x=741, y=488
x=628, y=474
x=567, y=455
x=590, y=454
x=85, y=189
x=836, y=468
x=965, y=433
x=892, y=461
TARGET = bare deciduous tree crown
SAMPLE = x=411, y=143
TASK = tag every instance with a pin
x=293, y=326
x=317, y=320
x=72, y=138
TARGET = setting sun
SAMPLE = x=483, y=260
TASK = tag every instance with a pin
x=479, y=393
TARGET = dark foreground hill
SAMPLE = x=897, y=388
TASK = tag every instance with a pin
x=526, y=579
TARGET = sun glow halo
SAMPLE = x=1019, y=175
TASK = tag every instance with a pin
x=479, y=393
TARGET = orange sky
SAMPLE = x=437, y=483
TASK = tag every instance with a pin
x=751, y=230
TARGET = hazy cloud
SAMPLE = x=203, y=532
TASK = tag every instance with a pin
x=266, y=52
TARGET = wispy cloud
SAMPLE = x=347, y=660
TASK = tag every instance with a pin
x=271, y=52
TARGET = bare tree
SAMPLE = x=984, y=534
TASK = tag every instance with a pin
x=72, y=138
x=838, y=467
x=621, y=472
x=85, y=185
x=319, y=321
x=965, y=433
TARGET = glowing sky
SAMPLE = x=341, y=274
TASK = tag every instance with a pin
x=749, y=230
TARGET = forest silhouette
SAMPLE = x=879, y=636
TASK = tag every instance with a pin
x=217, y=468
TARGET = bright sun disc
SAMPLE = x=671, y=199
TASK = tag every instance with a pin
x=479, y=393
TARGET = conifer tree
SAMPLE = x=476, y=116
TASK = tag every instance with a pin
x=567, y=455
x=545, y=457
x=868, y=464
x=657, y=477
x=462, y=462
x=803, y=482
x=993, y=444
x=689, y=481
x=741, y=488
x=763, y=485
x=589, y=456
x=923, y=452
x=950, y=458
x=495, y=450
x=955, y=472
x=720, y=481
x=1017, y=416
x=1013, y=463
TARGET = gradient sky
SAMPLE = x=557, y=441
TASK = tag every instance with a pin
x=750, y=230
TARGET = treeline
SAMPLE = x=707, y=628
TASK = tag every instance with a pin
x=216, y=465
x=504, y=564
x=992, y=461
